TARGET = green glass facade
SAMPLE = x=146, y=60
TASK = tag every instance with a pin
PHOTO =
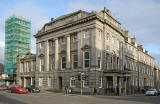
x=17, y=41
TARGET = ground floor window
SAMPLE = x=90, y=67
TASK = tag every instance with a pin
x=86, y=82
x=72, y=82
x=49, y=81
x=40, y=81
x=100, y=82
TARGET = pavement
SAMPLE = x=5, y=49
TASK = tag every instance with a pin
x=60, y=98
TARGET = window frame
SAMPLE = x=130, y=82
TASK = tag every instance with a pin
x=74, y=61
x=63, y=62
x=72, y=79
x=40, y=69
x=40, y=81
x=84, y=60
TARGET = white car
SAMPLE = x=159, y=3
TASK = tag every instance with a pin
x=152, y=92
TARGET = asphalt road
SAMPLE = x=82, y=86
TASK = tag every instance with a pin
x=58, y=98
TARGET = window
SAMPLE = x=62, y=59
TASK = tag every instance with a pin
x=107, y=60
x=86, y=82
x=41, y=64
x=29, y=66
x=34, y=66
x=42, y=44
x=99, y=59
x=75, y=38
x=52, y=43
x=107, y=36
x=63, y=62
x=107, y=48
x=40, y=81
x=75, y=61
x=72, y=82
x=51, y=62
x=63, y=41
x=100, y=82
x=86, y=34
x=100, y=34
x=49, y=81
x=86, y=60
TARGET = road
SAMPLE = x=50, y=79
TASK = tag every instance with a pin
x=59, y=98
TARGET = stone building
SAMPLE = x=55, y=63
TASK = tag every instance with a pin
x=26, y=68
x=157, y=77
x=94, y=46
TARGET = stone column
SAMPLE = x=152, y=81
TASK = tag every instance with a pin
x=120, y=87
x=24, y=82
x=80, y=54
x=31, y=66
x=37, y=57
x=31, y=81
x=68, y=63
x=125, y=86
x=47, y=56
x=56, y=54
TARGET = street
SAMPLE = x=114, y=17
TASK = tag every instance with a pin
x=59, y=98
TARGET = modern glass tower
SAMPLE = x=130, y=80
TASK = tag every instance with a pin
x=17, y=41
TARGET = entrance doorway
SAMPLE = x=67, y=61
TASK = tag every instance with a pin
x=60, y=83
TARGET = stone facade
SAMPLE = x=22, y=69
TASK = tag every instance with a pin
x=95, y=45
x=26, y=68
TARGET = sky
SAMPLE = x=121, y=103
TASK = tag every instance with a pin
x=141, y=17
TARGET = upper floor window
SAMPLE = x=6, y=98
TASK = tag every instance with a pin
x=107, y=48
x=63, y=41
x=51, y=62
x=99, y=59
x=52, y=43
x=34, y=66
x=72, y=82
x=100, y=34
x=75, y=38
x=63, y=62
x=86, y=59
x=42, y=44
x=75, y=61
x=42, y=64
x=107, y=36
x=87, y=34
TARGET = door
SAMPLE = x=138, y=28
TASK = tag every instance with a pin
x=60, y=83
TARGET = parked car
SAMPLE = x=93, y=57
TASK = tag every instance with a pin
x=3, y=87
x=18, y=89
x=33, y=89
x=153, y=92
x=158, y=90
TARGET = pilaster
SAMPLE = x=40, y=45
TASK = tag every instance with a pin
x=47, y=56
x=68, y=65
x=56, y=54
